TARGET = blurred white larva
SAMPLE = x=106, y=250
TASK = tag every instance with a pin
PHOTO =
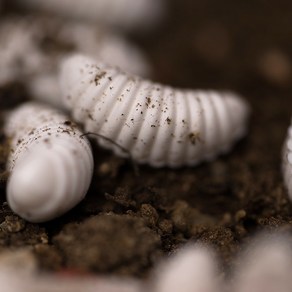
x=122, y=14
x=287, y=162
x=50, y=162
x=31, y=49
x=156, y=124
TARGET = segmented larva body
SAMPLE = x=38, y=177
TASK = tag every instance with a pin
x=287, y=162
x=156, y=124
x=31, y=49
x=122, y=14
x=50, y=162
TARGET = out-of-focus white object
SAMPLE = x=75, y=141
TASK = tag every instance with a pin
x=50, y=163
x=11, y=281
x=266, y=266
x=31, y=49
x=194, y=269
x=122, y=14
x=287, y=162
x=152, y=123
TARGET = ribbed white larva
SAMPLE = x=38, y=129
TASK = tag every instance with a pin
x=122, y=14
x=156, y=124
x=287, y=162
x=31, y=49
x=50, y=163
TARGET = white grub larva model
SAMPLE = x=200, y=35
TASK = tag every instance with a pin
x=155, y=124
x=194, y=269
x=122, y=14
x=31, y=49
x=50, y=163
x=287, y=162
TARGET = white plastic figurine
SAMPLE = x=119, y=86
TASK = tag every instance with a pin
x=122, y=14
x=31, y=49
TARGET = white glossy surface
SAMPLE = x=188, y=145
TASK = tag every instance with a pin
x=156, y=124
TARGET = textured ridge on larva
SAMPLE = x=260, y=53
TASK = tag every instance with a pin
x=157, y=124
x=50, y=162
x=287, y=162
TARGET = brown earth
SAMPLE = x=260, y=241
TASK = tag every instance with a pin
x=135, y=215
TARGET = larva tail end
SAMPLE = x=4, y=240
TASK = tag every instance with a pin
x=240, y=111
x=72, y=70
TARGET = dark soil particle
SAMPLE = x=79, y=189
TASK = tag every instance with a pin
x=135, y=215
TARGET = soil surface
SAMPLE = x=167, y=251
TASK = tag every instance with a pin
x=135, y=215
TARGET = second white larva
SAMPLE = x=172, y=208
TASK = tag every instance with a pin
x=287, y=162
x=155, y=124
x=50, y=163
